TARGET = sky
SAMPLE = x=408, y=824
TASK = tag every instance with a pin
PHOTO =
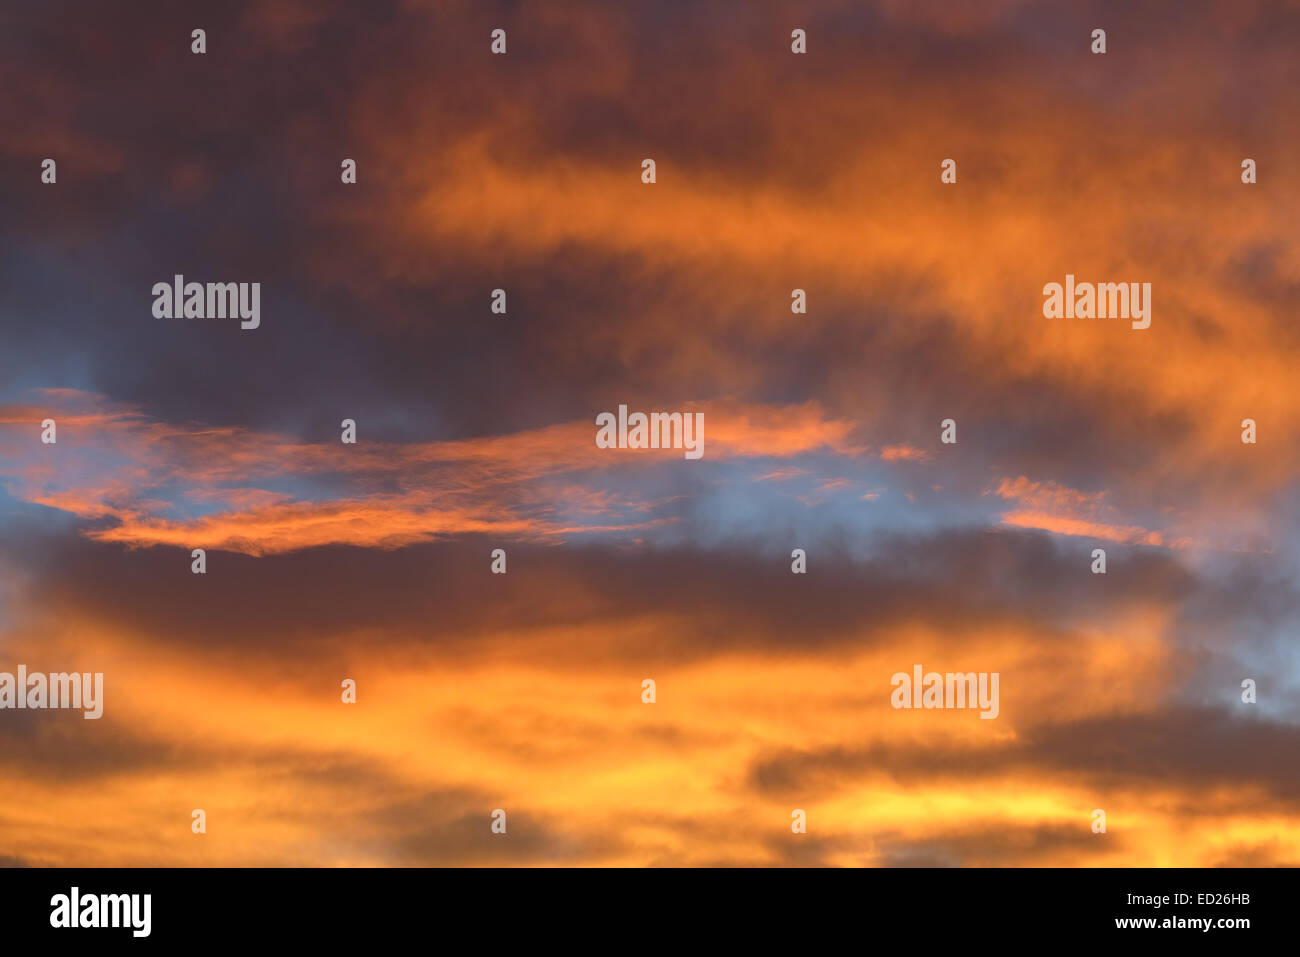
x=774, y=171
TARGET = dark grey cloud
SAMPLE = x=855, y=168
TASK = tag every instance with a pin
x=450, y=828
x=996, y=846
x=314, y=604
x=1185, y=748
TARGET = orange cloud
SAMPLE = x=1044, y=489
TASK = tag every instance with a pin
x=447, y=488
x=1066, y=511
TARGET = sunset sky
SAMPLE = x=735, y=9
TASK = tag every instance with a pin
x=475, y=431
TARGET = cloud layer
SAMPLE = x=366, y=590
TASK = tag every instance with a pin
x=476, y=431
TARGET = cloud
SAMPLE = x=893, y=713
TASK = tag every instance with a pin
x=140, y=475
x=476, y=431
